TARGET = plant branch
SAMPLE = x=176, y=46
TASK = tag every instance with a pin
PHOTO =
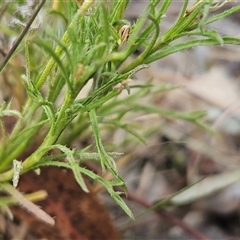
x=21, y=36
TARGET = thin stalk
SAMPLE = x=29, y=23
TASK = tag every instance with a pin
x=21, y=36
x=64, y=40
x=188, y=45
x=49, y=67
x=180, y=26
x=139, y=60
x=50, y=139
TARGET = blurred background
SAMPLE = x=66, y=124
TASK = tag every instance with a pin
x=177, y=153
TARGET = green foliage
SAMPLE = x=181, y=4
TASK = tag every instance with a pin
x=92, y=48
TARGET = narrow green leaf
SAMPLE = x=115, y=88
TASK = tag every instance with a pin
x=188, y=45
x=191, y=116
x=57, y=59
x=106, y=160
x=223, y=14
x=126, y=128
x=73, y=164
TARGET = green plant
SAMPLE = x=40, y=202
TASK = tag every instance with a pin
x=96, y=44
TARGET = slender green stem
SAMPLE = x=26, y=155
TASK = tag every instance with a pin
x=50, y=139
x=65, y=40
x=180, y=26
x=139, y=60
x=188, y=45
x=223, y=14
x=47, y=70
